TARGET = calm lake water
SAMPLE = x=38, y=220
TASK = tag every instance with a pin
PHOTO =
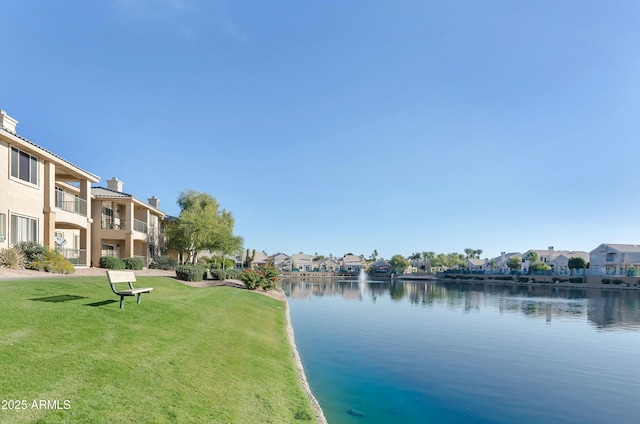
x=445, y=352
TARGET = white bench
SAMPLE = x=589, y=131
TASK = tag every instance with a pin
x=128, y=277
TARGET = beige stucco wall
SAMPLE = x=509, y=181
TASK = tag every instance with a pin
x=19, y=197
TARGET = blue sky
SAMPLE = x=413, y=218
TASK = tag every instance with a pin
x=347, y=126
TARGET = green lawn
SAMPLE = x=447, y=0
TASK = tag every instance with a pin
x=205, y=355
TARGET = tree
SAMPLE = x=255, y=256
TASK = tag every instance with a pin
x=176, y=238
x=493, y=264
x=415, y=257
x=470, y=253
x=202, y=225
x=248, y=258
x=514, y=263
x=539, y=266
x=531, y=256
x=374, y=255
x=576, y=263
x=478, y=252
x=399, y=263
x=430, y=256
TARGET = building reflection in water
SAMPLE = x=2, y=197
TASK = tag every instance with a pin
x=606, y=309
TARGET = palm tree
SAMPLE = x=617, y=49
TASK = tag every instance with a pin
x=469, y=252
x=431, y=256
x=478, y=252
x=415, y=257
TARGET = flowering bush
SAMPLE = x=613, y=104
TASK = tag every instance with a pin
x=52, y=261
x=266, y=278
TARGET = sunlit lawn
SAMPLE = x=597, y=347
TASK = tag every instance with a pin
x=206, y=355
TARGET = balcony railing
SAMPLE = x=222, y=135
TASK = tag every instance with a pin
x=75, y=256
x=139, y=226
x=77, y=206
x=106, y=225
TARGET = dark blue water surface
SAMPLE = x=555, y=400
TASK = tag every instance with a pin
x=439, y=352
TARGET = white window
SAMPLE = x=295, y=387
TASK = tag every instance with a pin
x=23, y=228
x=59, y=198
x=3, y=227
x=108, y=250
x=107, y=217
x=24, y=166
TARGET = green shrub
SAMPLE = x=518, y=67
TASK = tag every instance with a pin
x=616, y=281
x=575, y=280
x=32, y=250
x=163, y=262
x=190, y=272
x=251, y=278
x=12, y=258
x=271, y=278
x=52, y=261
x=216, y=262
x=111, y=262
x=218, y=274
x=133, y=263
x=233, y=274
x=606, y=281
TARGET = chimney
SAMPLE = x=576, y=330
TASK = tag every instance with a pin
x=115, y=184
x=155, y=202
x=7, y=122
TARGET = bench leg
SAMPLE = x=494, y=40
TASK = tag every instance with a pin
x=121, y=302
x=139, y=298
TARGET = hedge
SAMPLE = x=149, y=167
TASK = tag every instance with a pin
x=111, y=262
x=190, y=272
x=133, y=263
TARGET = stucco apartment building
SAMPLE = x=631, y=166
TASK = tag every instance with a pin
x=124, y=226
x=46, y=199
x=43, y=198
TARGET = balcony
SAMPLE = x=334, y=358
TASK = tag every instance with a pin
x=140, y=226
x=108, y=225
x=77, y=257
x=77, y=206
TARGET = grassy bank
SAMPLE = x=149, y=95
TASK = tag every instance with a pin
x=215, y=355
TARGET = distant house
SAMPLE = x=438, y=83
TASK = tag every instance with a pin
x=499, y=263
x=614, y=259
x=326, y=265
x=560, y=264
x=280, y=261
x=260, y=259
x=351, y=263
x=551, y=257
x=476, y=264
x=382, y=267
x=301, y=262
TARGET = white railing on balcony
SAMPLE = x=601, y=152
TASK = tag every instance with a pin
x=77, y=206
x=109, y=225
x=75, y=256
x=140, y=226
